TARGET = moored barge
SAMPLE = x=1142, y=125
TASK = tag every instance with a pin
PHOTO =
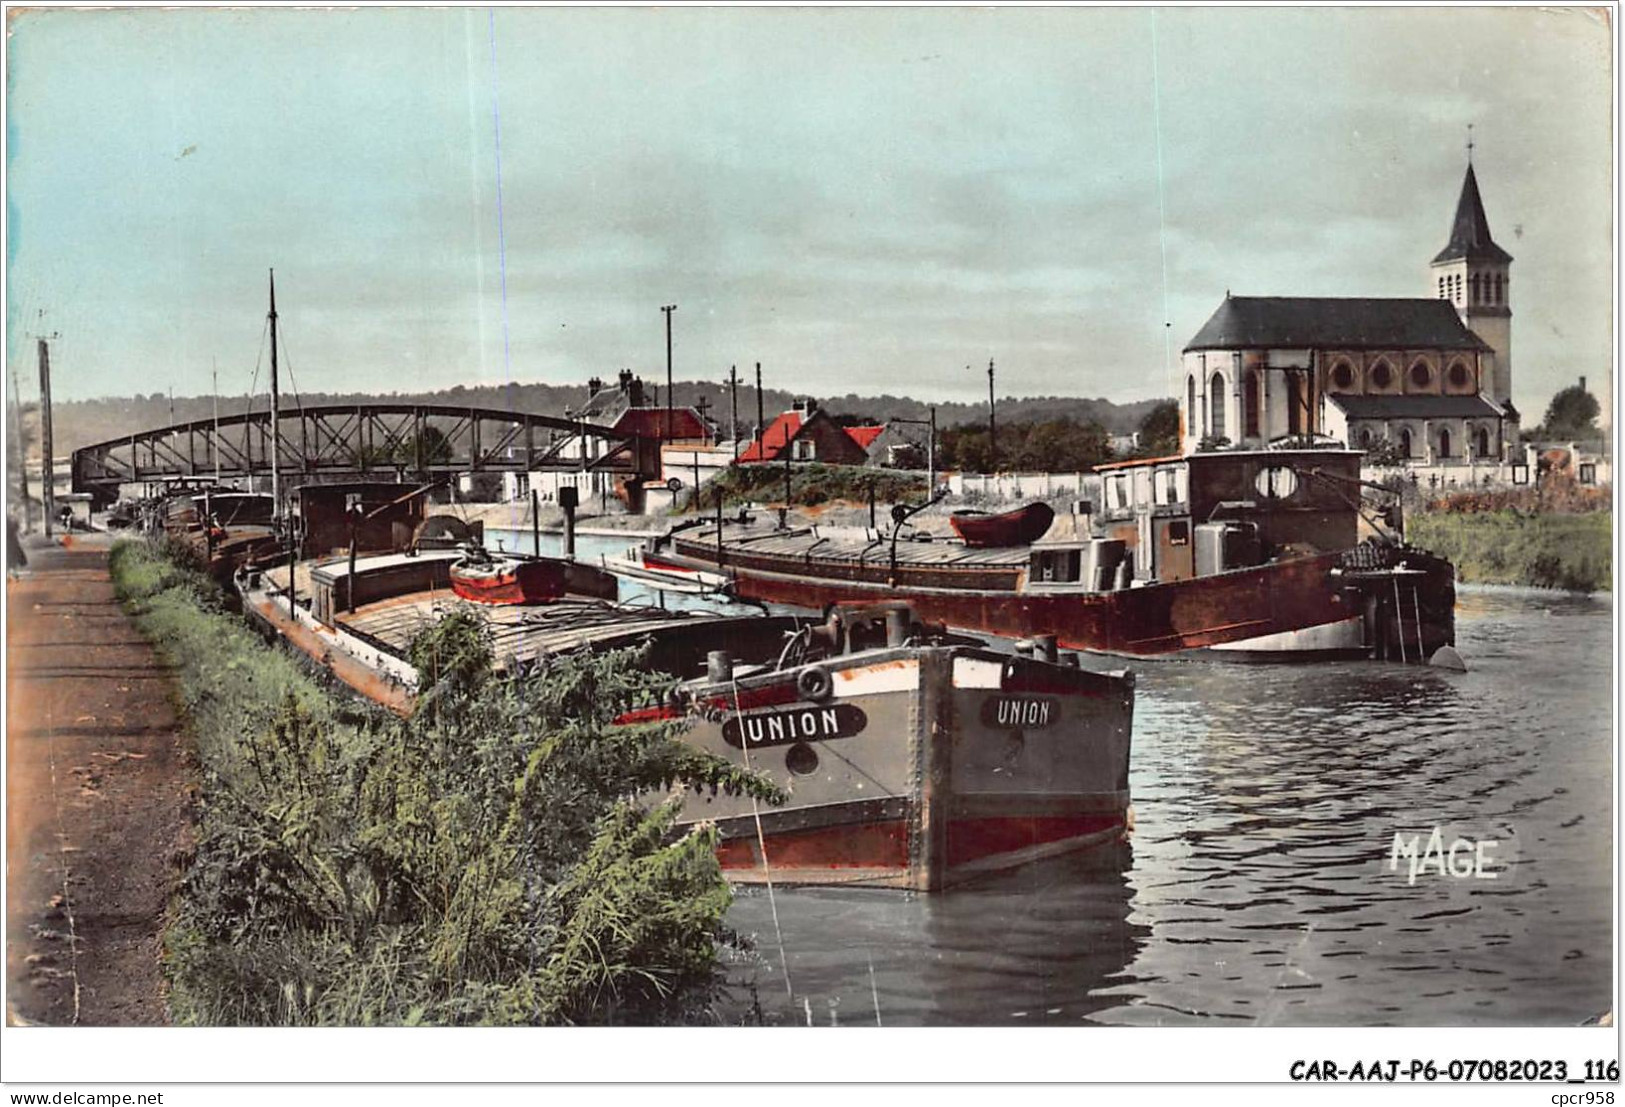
x=1238, y=554
x=913, y=758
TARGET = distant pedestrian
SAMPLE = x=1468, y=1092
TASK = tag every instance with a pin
x=16, y=559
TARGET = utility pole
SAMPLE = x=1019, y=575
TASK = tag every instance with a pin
x=48, y=469
x=733, y=408
x=761, y=425
x=214, y=443
x=931, y=455
x=704, y=407
x=668, y=309
x=276, y=427
x=930, y=446
x=992, y=425
x=22, y=452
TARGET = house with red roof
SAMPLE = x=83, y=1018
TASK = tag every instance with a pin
x=681, y=424
x=809, y=434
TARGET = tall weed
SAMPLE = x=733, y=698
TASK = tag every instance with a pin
x=482, y=862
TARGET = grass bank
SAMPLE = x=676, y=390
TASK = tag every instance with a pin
x=1573, y=552
x=478, y=863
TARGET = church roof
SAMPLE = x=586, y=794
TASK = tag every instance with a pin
x=1325, y=322
x=1415, y=407
x=1470, y=233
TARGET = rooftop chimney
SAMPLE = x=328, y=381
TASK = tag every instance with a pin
x=804, y=404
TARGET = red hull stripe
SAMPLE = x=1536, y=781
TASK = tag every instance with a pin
x=884, y=845
x=772, y=696
x=879, y=845
x=973, y=839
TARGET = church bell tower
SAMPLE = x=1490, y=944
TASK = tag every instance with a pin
x=1472, y=273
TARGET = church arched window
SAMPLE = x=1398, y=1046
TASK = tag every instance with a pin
x=1472, y=288
x=1191, y=422
x=1342, y=375
x=1405, y=442
x=1483, y=442
x=1459, y=375
x=1421, y=375
x=1382, y=374
x=1441, y=288
x=1252, y=400
x=1215, y=405
x=1365, y=438
x=1444, y=442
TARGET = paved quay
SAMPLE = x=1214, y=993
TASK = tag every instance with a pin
x=97, y=788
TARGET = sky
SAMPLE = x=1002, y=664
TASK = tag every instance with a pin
x=862, y=199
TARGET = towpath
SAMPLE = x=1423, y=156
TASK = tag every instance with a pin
x=96, y=789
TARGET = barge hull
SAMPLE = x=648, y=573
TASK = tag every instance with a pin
x=1295, y=609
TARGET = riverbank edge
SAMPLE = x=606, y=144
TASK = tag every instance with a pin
x=1546, y=552
x=639, y=848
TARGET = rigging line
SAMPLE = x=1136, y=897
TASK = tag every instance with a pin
x=297, y=403
x=502, y=241
x=254, y=381
x=1162, y=214
x=761, y=848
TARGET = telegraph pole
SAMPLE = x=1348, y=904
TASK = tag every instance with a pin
x=214, y=443
x=992, y=426
x=668, y=309
x=47, y=470
x=931, y=454
x=22, y=452
x=761, y=426
x=733, y=408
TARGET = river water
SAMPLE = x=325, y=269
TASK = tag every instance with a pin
x=1260, y=885
x=1256, y=887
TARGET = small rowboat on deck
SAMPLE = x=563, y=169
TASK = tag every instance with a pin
x=1020, y=527
x=664, y=576
x=506, y=579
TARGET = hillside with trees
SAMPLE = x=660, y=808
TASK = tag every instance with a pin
x=82, y=422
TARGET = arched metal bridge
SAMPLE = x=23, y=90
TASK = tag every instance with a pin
x=362, y=440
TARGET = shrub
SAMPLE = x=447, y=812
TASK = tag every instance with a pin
x=478, y=863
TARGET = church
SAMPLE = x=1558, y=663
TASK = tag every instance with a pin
x=1432, y=376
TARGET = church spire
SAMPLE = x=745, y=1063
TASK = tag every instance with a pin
x=1470, y=233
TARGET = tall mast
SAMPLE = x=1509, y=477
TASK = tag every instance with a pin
x=276, y=441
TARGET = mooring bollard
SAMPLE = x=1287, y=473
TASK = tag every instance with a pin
x=719, y=667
